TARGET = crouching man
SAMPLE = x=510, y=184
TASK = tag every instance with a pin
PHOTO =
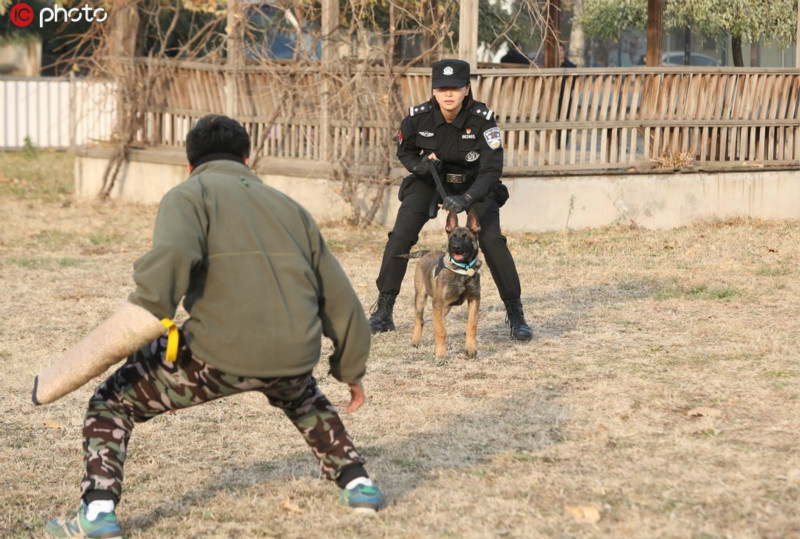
x=261, y=288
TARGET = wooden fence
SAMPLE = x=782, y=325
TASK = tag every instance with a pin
x=618, y=118
x=553, y=121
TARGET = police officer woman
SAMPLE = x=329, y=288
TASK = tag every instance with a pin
x=460, y=138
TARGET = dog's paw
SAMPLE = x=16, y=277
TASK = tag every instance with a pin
x=471, y=354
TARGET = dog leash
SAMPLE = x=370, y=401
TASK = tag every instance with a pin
x=433, y=209
x=437, y=180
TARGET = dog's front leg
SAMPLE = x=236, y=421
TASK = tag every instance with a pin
x=472, y=327
x=439, y=330
x=420, y=298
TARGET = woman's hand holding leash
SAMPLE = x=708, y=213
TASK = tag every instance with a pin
x=430, y=160
x=457, y=203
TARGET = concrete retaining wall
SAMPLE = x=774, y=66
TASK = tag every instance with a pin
x=536, y=203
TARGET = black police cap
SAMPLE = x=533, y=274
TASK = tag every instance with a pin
x=450, y=74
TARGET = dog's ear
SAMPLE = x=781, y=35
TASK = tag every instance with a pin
x=472, y=221
x=452, y=222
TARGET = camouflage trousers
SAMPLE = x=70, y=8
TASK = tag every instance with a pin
x=147, y=385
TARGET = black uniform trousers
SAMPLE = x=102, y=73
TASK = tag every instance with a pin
x=412, y=216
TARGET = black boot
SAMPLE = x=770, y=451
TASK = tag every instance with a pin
x=380, y=319
x=520, y=330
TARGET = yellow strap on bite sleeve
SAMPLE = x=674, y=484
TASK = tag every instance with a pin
x=172, y=339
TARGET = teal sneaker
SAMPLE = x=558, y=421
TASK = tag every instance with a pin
x=104, y=527
x=362, y=498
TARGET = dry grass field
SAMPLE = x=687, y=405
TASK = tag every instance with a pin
x=659, y=398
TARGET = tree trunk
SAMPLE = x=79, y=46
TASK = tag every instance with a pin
x=235, y=57
x=552, y=34
x=122, y=50
x=468, y=32
x=655, y=14
x=755, y=54
x=577, y=40
x=736, y=51
x=687, y=46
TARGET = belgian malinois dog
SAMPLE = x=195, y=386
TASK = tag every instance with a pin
x=450, y=279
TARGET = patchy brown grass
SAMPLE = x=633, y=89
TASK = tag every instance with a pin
x=658, y=399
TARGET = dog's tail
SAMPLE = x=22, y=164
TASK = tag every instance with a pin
x=413, y=254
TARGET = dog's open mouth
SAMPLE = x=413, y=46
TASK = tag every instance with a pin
x=462, y=257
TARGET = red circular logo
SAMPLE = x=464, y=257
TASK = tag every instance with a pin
x=22, y=15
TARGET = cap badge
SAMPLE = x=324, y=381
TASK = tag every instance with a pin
x=447, y=71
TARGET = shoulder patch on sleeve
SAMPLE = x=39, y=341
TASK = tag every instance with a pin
x=483, y=112
x=493, y=138
x=419, y=109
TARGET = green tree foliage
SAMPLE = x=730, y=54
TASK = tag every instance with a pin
x=773, y=21
x=608, y=19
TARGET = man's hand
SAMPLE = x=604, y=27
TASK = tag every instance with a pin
x=357, y=397
x=423, y=167
x=457, y=203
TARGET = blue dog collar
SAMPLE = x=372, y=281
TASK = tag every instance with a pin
x=464, y=269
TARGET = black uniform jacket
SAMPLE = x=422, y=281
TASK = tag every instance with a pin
x=469, y=146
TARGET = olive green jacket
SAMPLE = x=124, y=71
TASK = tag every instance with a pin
x=255, y=275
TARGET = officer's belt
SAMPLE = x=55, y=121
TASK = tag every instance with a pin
x=454, y=178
